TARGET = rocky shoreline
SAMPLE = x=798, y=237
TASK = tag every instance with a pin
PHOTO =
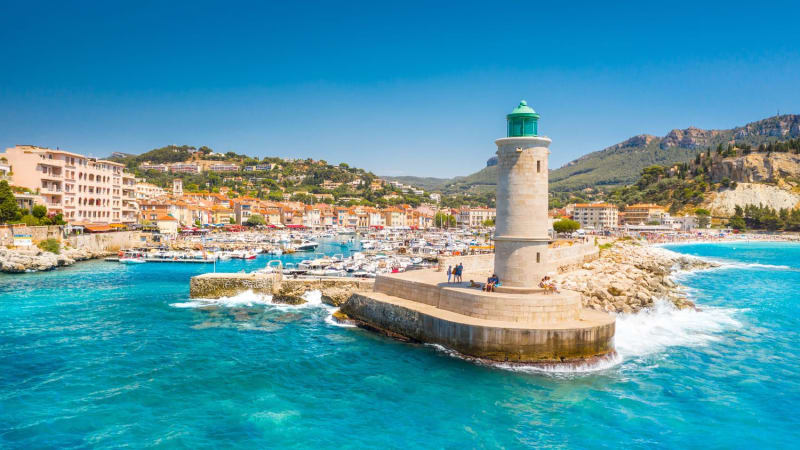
x=36, y=260
x=629, y=277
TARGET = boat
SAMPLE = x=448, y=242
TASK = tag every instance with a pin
x=132, y=260
x=243, y=254
x=305, y=246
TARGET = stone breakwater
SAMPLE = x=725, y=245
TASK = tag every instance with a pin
x=335, y=291
x=35, y=259
x=629, y=277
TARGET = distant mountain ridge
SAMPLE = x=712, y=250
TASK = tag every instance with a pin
x=622, y=163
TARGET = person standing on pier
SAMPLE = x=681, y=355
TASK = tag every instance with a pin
x=449, y=273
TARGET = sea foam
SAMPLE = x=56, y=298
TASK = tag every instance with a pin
x=639, y=335
x=252, y=299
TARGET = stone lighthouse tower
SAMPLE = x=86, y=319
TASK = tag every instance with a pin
x=521, y=235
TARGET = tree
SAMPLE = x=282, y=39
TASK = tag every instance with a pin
x=566, y=226
x=39, y=211
x=703, y=217
x=737, y=221
x=29, y=220
x=488, y=223
x=9, y=211
x=254, y=220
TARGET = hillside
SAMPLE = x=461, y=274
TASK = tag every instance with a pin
x=622, y=163
x=766, y=176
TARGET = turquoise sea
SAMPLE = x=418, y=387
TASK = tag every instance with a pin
x=102, y=355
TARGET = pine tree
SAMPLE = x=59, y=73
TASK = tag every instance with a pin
x=8, y=204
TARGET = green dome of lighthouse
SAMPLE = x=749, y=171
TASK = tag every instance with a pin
x=523, y=121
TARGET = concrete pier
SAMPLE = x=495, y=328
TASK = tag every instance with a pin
x=283, y=290
x=528, y=328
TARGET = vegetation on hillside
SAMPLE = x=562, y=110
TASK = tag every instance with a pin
x=622, y=164
x=760, y=217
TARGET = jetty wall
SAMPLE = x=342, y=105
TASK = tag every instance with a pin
x=96, y=242
x=498, y=343
x=37, y=233
x=567, y=257
x=558, y=259
x=335, y=290
x=106, y=242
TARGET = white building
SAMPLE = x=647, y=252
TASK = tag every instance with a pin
x=596, y=216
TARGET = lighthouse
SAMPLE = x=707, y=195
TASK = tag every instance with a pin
x=521, y=234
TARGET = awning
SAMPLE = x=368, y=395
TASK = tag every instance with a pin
x=295, y=226
x=98, y=228
x=117, y=225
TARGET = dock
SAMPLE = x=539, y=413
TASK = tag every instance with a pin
x=165, y=260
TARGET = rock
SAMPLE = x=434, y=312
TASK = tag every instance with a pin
x=289, y=293
x=629, y=277
x=336, y=296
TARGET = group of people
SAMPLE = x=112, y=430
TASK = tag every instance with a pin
x=548, y=284
x=455, y=273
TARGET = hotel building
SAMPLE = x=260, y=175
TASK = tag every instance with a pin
x=597, y=216
x=643, y=213
x=84, y=190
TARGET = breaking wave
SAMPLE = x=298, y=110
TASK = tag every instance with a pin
x=655, y=329
x=638, y=335
x=251, y=299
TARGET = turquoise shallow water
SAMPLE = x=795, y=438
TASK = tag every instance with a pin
x=103, y=355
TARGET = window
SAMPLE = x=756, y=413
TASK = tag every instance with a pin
x=538, y=257
x=538, y=166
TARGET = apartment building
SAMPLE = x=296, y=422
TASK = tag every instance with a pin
x=84, y=190
x=596, y=216
x=148, y=191
x=184, y=168
x=475, y=217
x=223, y=167
x=643, y=213
x=156, y=167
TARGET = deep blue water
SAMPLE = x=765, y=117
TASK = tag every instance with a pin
x=103, y=355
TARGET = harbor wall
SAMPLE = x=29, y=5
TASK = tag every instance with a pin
x=567, y=257
x=335, y=290
x=484, y=305
x=37, y=233
x=525, y=345
x=106, y=242
x=97, y=242
x=557, y=259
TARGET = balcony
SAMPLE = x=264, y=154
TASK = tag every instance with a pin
x=51, y=190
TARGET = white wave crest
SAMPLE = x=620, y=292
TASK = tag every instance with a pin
x=726, y=264
x=656, y=329
x=638, y=335
x=573, y=368
x=246, y=298
x=249, y=298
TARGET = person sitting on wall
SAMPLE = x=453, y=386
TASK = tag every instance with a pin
x=491, y=283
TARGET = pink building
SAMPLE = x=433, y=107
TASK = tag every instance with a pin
x=83, y=189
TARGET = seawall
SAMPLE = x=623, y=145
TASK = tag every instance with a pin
x=335, y=290
x=493, y=340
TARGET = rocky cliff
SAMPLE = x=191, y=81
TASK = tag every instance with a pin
x=778, y=196
x=758, y=168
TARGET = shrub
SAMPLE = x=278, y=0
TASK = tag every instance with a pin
x=51, y=245
x=565, y=226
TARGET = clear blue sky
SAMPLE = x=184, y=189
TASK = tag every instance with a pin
x=407, y=88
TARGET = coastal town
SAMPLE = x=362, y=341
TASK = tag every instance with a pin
x=95, y=195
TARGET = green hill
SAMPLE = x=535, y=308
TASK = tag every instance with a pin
x=622, y=163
